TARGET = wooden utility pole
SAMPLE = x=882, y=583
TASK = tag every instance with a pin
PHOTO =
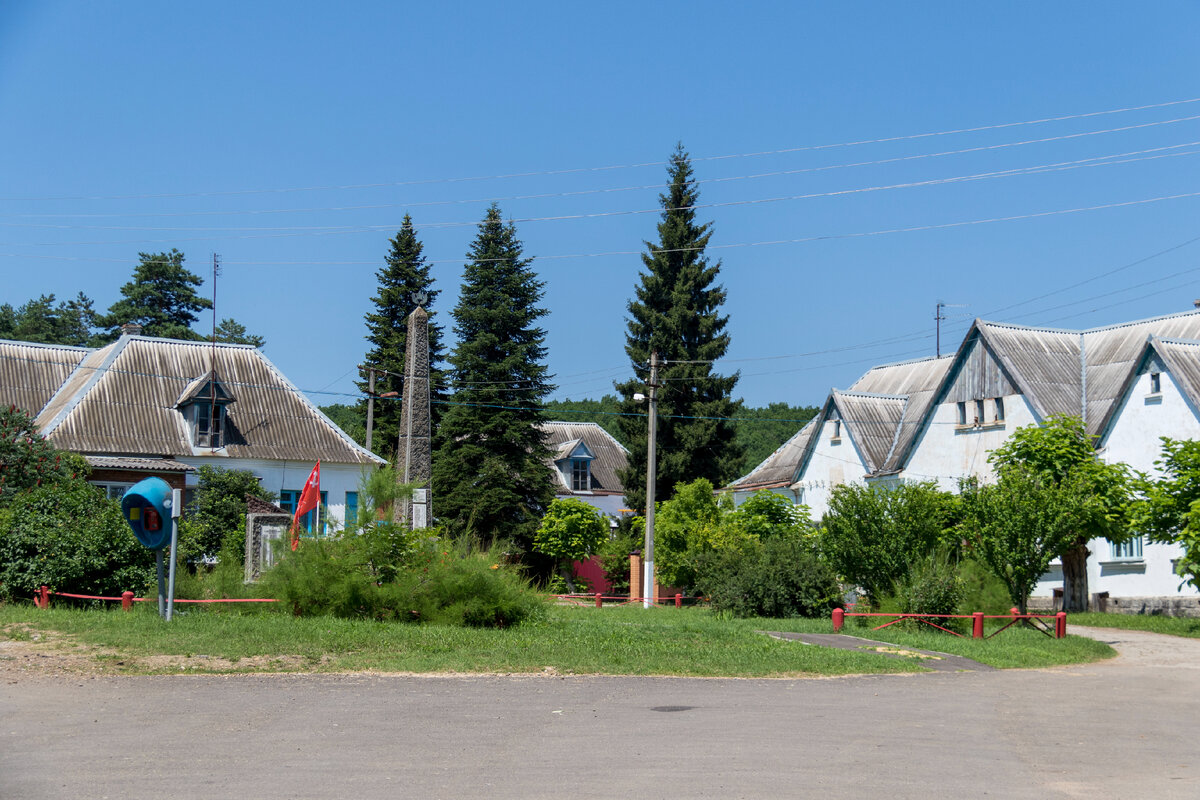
x=649, y=587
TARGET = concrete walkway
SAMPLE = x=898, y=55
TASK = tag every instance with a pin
x=930, y=659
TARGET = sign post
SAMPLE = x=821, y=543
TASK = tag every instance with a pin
x=145, y=506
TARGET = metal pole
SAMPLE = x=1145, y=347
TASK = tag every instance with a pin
x=176, y=502
x=162, y=588
x=651, y=468
x=370, y=405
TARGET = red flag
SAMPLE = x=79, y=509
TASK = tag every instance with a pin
x=310, y=498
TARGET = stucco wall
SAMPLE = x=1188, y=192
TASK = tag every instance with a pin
x=833, y=463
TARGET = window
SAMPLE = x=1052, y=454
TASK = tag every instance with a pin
x=351, y=509
x=1128, y=551
x=837, y=429
x=979, y=414
x=113, y=491
x=999, y=409
x=962, y=413
x=208, y=432
x=1155, y=383
x=580, y=475
x=288, y=499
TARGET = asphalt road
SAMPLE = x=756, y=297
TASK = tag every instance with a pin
x=1126, y=728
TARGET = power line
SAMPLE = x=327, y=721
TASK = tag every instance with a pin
x=611, y=190
x=637, y=165
x=1095, y=161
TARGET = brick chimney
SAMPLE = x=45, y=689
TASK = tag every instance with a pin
x=131, y=329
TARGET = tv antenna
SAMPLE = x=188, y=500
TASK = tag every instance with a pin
x=938, y=316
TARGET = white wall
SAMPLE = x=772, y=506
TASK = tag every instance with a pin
x=833, y=463
x=275, y=476
x=1133, y=439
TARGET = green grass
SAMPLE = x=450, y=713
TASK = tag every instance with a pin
x=613, y=640
x=1174, y=626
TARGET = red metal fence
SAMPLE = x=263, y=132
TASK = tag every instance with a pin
x=1014, y=617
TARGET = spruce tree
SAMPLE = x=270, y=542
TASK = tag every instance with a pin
x=404, y=274
x=677, y=313
x=491, y=480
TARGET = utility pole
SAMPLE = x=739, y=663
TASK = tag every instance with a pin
x=938, y=316
x=648, y=587
x=370, y=404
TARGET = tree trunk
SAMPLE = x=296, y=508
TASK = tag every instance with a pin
x=565, y=572
x=1075, y=580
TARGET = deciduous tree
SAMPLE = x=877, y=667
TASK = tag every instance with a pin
x=571, y=530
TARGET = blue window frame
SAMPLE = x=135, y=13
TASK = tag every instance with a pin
x=351, y=509
x=288, y=499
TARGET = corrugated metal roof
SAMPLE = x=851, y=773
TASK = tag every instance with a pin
x=1044, y=363
x=873, y=421
x=779, y=468
x=610, y=456
x=1183, y=360
x=918, y=381
x=1111, y=354
x=122, y=400
x=138, y=464
x=30, y=373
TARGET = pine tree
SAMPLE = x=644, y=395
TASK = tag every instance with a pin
x=161, y=298
x=677, y=313
x=490, y=476
x=404, y=274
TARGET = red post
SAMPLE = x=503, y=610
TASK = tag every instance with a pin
x=839, y=619
x=977, y=625
x=598, y=599
x=678, y=600
x=126, y=601
x=42, y=598
x=1016, y=612
x=1060, y=625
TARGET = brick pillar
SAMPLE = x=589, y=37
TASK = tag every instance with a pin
x=635, y=577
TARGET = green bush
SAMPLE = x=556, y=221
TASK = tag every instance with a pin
x=932, y=587
x=346, y=576
x=71, y=538
x=780, y=578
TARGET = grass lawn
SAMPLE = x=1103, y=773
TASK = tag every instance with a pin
x=1175, y=626
x=572, y=640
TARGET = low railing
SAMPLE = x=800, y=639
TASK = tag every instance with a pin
x=1035, y=621
x=41, y=599
x=623, y=600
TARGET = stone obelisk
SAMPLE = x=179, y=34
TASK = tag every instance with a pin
x=415, y=450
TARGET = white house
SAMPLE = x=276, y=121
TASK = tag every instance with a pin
x=143, y=406
x=1130, y=383
x=587, y=462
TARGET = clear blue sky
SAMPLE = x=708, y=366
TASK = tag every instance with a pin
x=291, y=138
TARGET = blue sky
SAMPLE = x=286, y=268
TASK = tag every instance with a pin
x=291, y=138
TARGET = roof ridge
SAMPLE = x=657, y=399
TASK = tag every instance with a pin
x=907, y=362
x=873, y=395
x=99, y=372
x=49, y=346
x=1131, y=323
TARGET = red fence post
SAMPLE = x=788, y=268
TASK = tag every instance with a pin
x=1016, y=613
x=678, y=600
x=1060, y=625
x=839, y=619
x=126, y=601
x=598, y=598
x=42, y=598
x=977, y=625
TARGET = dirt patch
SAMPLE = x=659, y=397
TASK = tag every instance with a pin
x=28, y=653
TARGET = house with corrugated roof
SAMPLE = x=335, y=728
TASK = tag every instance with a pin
x=587, y=462
x=143, y=406
x=939, y=419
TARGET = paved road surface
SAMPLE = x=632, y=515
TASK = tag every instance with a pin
x=1126, y=728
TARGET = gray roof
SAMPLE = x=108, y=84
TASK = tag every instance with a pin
x=919, y=382
x=873, y=422
x=122, y=400
x=779, y=468
x=138, y=464
x=1182, y=357
x=610, y=455
x=30, y=373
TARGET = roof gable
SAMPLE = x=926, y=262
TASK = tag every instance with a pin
x=608, y=457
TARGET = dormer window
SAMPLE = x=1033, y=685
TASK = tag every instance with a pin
x=204, y=407
x=1155, y=383
x=581, y=475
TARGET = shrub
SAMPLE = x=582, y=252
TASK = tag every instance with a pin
x=28, y=461
x=932, y=587
x=358, y=575
x=71, y=538
x=216, y=521
x=782, y=577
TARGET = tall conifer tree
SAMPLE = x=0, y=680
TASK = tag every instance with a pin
x=677, y=313
x=405, y=273
x=490, y=477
